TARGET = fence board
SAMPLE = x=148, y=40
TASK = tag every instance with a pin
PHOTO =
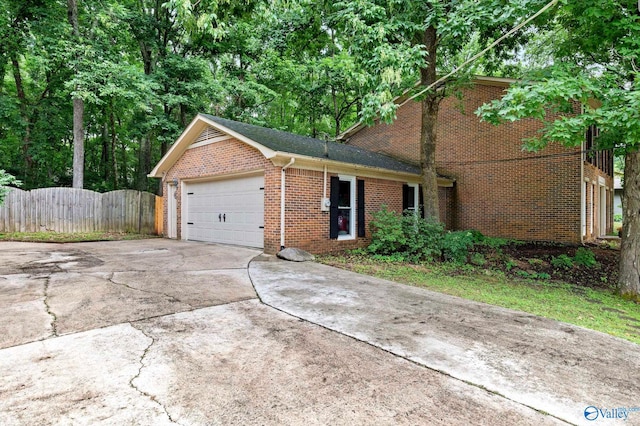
x=78, y=210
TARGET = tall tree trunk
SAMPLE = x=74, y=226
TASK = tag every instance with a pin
x=144, y=163
x=114, y=161
x=22, y=103
x=78, y=110
x=428, y=130
x=629, y=276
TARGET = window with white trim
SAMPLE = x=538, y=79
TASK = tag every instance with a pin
x=412, y=197
x=346, y=207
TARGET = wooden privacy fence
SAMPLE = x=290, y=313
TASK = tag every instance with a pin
x=78, y=210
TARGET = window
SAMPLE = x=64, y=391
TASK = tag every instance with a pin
x=346, y=207
x=410, y=197
x=343, y=208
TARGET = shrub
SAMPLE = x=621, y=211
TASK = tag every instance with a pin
x=423, y=237
x=456, y=245
x=478, y=259
x=563, y=261
x=585, y=257
x=387, y=234
x=407, y=236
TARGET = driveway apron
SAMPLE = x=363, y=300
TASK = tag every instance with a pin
x=553, y=367
x=161, y=332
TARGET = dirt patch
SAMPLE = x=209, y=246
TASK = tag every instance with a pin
x=540, y=260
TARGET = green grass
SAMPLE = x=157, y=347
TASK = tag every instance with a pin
x=590, y=308
x=61, y=237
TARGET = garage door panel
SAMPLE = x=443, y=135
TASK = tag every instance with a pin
x=227, y=211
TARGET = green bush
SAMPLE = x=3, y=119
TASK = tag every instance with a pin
x=387, y=234
x=408, y=236
x=585, y=257
x=456, y=245
x=423, y=237
x=563, y=261
x=478, y=259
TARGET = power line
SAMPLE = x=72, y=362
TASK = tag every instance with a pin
x=491, y=46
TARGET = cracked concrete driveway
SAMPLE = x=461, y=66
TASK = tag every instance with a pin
x=164, y=332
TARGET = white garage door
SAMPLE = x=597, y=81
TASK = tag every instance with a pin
x=226, y=211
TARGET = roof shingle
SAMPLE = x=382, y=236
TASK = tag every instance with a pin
x=280, y=141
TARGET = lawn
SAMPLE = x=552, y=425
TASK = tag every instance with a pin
x=594, y=308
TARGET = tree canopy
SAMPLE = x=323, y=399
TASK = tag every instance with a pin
x=594, y=71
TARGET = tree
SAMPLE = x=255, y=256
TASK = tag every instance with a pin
x=6, y=179
x=401, y=41
x=596, y=54
x=78, y=108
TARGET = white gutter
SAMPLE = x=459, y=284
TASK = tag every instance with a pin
x=282, y=199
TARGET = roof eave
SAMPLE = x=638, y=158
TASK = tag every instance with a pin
x=193, y=130
x=315, y=163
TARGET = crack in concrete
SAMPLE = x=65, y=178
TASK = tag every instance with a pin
x=143, y=365
x=54, y=318
x=398, y=355
x=171, y=298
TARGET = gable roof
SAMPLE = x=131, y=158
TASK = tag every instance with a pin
x=291, y=143
x=275, y=143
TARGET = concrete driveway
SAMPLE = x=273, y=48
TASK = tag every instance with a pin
x=167, y=332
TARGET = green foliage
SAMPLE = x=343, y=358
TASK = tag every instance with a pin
x=509, y=264
x=456, y=245
x=563, y=261
x=408, y=236
x=412, y=238
x=585, y=257
x=424, y=237
x=535, y=261
x=6, y=179
x=387, y=233
x=478, y=259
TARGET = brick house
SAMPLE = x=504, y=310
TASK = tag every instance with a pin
x=223, y=183
x=234, y=183
x=558, y=194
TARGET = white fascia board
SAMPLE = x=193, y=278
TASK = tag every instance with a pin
x=187, y=137
x=317, y=164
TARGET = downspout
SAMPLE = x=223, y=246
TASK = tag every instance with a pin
x=282, y=198
x=583, y=201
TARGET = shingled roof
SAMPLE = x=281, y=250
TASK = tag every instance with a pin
x=285, y=142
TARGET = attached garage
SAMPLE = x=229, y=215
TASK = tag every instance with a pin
x=235, y=183
x=228, y=211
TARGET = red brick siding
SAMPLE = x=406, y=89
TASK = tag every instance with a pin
x=500, y=190
x=307, y=227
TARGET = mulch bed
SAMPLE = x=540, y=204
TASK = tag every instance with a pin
x=535, y=258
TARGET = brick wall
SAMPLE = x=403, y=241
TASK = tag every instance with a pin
x=500, y=190
x=307, y=227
